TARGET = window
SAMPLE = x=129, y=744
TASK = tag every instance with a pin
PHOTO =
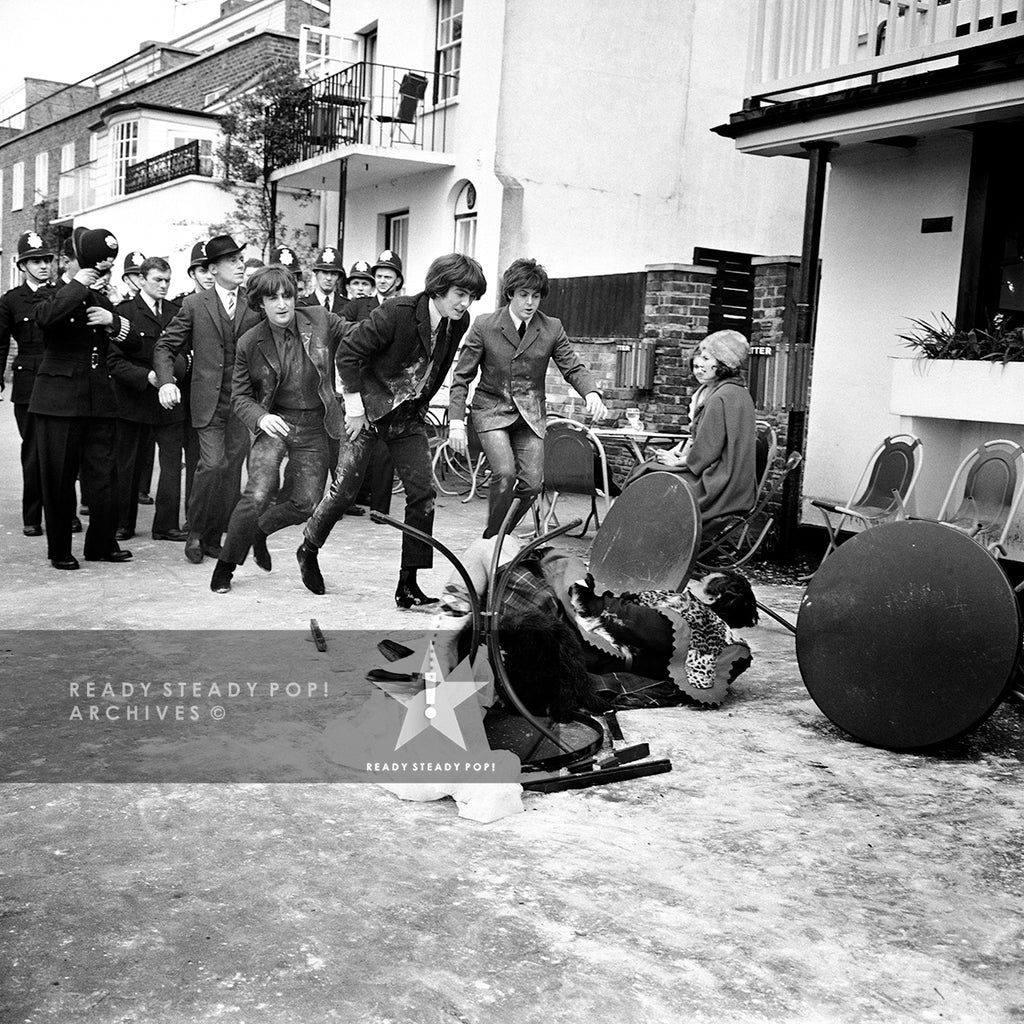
x=465, y=220
x=448, y=59
x=396, y=234
x=94, y=146
x=67, y=157
x=42, y=189
x=125, y=152
x=18, y=186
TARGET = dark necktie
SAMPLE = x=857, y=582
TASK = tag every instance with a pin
x=159, y=309
x=521, y=329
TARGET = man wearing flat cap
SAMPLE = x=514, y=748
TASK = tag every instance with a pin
x=211, y=323
x=74, y=404
x=18, y=321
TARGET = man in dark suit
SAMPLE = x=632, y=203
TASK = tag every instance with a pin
x=390, y=367
x=283, y=391
x=328, y=282
x=140, y=411
x=74, y=404
x=18, y=320
x=511, y=349
x=210, y=322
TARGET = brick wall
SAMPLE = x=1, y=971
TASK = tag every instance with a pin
x=676, y=318
x=183, y=87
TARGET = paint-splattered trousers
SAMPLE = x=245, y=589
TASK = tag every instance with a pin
x=405, y=435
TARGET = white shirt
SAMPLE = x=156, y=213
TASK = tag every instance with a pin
x=223, y=293
x=151, y=302
x=516, y=321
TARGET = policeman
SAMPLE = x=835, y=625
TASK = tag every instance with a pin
x=388, y=281
x=328, y=282
x=74, y=405
x=360, y=280
x=18, y=320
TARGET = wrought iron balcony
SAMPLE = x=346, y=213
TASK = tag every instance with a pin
x=164, y=167
x=364, y=104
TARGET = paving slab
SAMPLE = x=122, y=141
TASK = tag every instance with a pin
x=780, y=872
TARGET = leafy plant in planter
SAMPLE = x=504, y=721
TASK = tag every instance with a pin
x=944, y=340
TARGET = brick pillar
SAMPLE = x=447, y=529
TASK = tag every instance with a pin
x=775, y=280
x=676, y=316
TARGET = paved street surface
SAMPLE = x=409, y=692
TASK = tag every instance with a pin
x=780, y=872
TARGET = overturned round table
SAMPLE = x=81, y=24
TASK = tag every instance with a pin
x=909, y=635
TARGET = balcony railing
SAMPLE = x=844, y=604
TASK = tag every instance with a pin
x=164, y=167
x=76, y=191
x=364, y=104
x=807, y=47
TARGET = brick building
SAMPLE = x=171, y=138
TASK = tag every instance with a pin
x=133, y=148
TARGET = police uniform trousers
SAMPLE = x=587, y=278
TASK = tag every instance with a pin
x=305, y=447
x=131, y=481
x=32, y=485
x=67, y=445
x=405, y=435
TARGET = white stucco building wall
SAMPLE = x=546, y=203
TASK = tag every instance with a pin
x=878, y=270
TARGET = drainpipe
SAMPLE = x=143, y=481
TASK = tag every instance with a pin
x=801, y=342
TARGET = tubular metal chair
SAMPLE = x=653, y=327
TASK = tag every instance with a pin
x=990, y=484
x=882, y=490
x=569, y=468
x=738, y=539
x=411, y=91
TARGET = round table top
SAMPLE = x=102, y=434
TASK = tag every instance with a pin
x=650, y=537
x=908, y=635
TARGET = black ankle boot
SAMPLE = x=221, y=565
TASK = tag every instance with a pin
x=260, y=554
x=408, y=594
x=309, y=568
x=220, y=582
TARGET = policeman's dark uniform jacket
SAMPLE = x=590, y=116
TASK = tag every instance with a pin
x=389, y=359
x=18, y=321
x=77, y=415
x=138, y=406
x=203, y=322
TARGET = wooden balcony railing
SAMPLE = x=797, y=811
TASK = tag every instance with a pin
x=807, y=47
x=363, y=104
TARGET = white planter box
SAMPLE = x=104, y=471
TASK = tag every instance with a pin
x=957, y=389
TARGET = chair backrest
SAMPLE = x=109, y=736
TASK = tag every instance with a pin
x=893, y=466
x=992, y=488
x=650, y=537
x=765, y=446
x=569, y=451
x=411, y=90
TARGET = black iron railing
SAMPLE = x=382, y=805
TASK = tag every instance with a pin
x=365, y=104
x=175, y=163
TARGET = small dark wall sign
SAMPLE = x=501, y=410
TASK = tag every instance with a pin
x=936, y=225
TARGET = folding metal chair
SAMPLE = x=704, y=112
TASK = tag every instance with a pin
x=736, y=539
x=570, y=450
x=411, y=90
x=990, y=482
x=882, y=490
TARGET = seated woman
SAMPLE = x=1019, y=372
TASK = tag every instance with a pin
x=718, y=459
